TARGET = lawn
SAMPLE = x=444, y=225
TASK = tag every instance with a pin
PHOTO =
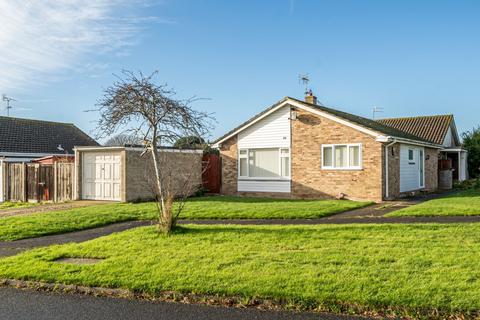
x=463, y=203
x=223, y=207
x=20, y=227
x=407, y=269
x=15, y=205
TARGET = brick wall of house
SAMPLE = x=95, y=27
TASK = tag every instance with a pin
x=393, y=172
x=309, y=132
x=431, y=169
x=177, y=167
x=229, y=154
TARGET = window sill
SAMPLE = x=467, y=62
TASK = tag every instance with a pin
x=262, y=179
x=342, y=169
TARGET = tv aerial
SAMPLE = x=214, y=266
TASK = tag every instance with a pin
x=304, y=79
x=376, y=110
x=7, y=101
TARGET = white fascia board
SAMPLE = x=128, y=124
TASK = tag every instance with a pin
x=453, y=150
x=334, y=118
x=266, y=114
x=167, y=150
x=306, y=108
x=98, y=148
x=410, y=142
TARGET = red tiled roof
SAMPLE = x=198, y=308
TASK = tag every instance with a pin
x=430, y=128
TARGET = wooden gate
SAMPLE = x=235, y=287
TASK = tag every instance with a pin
x=16, y=182
x=40, y=182
x=211, y=174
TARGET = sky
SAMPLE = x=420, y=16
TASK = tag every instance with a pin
x=408, y=57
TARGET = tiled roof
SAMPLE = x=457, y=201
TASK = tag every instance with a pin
x=36, y=136
x=365, y=122
x=430, y=128
x=361, y=121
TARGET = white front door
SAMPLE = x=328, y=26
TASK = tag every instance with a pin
x=101, y=176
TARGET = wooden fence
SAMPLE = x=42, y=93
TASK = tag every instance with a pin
x=39, y=182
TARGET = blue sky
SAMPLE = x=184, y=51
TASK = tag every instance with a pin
x=408, y=57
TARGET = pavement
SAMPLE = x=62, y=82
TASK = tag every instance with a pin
x=10, y=248
x=18, y=304
x=48, y=207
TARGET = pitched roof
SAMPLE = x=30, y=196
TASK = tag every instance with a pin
x=358, y=120
x=36, y=136
x=430, y=128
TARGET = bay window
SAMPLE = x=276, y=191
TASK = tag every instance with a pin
x=268, y=163
x=342, y=156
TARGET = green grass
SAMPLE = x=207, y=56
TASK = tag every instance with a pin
x=464, y=203
x=13, y=205
x=35, y=225
x=407, y=268
x=223, y=207
x=20, y=227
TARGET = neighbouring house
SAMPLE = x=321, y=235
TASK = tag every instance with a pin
x=125, y=173
x=439, y=129
x=302, y=149
x=24, y=140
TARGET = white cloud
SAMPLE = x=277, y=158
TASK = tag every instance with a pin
x=39, y=38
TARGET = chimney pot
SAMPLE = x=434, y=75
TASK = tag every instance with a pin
x=310, y=98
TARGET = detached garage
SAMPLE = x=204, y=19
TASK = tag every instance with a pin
x=123, y=174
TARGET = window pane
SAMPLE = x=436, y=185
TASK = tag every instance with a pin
x=243, y=167
x=341, y=156
x=264, y=163
x=410, y=154
x=284, y=151
x=285, y=162
x=327, y=157
x=354, y=156
x=243, y=152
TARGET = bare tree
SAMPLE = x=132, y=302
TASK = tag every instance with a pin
x=123, y=139
x=145, y=109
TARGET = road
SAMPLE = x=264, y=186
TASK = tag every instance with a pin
x=22, y=304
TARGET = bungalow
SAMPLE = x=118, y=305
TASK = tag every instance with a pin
x=23, y=140
x=302, y=149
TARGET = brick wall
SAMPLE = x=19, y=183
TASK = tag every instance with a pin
x=393, y=172
x=309, y=132
x=228, y=154
x=177, y=169
x=431, y=169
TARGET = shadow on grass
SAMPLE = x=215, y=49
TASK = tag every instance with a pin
x=242, y=199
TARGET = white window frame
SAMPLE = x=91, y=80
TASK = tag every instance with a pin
x=243, y=156
x=280, y=156
x=422, y=160
x=348, y=145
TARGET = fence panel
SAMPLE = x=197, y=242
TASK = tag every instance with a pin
x=39, y=182
x=64, y=182
x=16, y=182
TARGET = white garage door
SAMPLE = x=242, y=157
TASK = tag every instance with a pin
x=101, y=176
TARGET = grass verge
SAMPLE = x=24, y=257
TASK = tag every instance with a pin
x=410, y=270
x=16, y=205
x=463, y=203
x=55, y=222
